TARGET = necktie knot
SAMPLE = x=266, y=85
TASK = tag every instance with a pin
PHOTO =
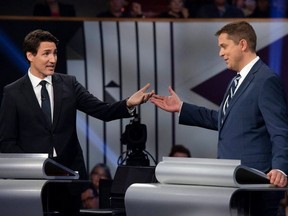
x=43, y=83
x=237, y=78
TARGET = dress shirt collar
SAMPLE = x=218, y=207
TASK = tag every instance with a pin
x=247, y=68
x=35, y=80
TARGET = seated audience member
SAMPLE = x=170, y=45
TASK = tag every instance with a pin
x=116, y=9
x=53, y=8
x=121, y=9
x=90, y=199
x=176, y=9
x=179, y=151
x=247, y=6
x=194, y=5
x=99, y=171
x=262, y=9
x=136, y=10
x=219, y=9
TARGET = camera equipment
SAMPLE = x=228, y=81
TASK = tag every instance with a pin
x=135, y=137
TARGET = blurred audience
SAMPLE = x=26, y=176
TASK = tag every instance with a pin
x=156, y=9
x=122, y=9
x=176, y=9
x=179, y=151
x=194, y=5
x=136, y=10
x=99, y=171
x=90, y=199
x=247, y=6
x=219, y=9
x=116, y=9
x=53, y=8
x=262, y=9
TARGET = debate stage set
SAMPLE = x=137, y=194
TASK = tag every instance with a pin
x=34, y=185
x=112, y=59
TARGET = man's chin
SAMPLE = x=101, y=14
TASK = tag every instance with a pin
x=50, y=73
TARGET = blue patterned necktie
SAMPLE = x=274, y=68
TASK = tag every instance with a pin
x=230, y=95
x=45, y=105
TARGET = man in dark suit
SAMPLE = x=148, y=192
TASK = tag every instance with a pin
x=253, y=122
x=24, y=127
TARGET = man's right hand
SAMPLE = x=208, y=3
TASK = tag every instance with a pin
x=170, y=103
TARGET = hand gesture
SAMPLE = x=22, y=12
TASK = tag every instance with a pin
x=277, y=178
x=140, y=96
x=170, y=103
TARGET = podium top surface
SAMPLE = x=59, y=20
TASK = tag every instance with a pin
x=33, y=166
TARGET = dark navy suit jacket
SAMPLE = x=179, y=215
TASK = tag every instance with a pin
x=23, y=127
x=255, y=128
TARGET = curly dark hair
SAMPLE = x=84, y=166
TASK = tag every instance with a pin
x=33, y=39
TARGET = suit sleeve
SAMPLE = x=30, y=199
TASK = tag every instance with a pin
x=91, y=105
x=193, y=115
x=8, y=124
x=273, y=107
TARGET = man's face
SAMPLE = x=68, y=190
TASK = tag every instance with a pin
x=88, y=199
x=44, y=62
x=230, y=52
x=116, y=5
x=98, y=174
x=176, y=5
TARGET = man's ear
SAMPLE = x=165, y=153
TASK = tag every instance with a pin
x=29, y=56
x=244, y=44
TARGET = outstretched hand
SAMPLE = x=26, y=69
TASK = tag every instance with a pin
x=140, y=96
x=170, y=103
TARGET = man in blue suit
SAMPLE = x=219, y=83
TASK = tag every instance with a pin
x=254, y=128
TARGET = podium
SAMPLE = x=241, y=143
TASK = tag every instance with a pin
x=196, y=186
x=35, y=185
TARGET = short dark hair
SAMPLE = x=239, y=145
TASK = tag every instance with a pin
x=179, y=148
x=33, y=39
x=240, y=30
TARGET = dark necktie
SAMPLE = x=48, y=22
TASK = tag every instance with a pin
x=230, y=95
x=46, y=107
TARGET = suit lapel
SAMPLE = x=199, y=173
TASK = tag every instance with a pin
x=29, y=94
x=246, y=82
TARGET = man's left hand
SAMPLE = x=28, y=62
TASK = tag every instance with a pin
x=140, y=96
x=277, y=178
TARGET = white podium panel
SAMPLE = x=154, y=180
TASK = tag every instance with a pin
x=196, y=186
x=33, y=184
x=33, y=166
x=177, y=200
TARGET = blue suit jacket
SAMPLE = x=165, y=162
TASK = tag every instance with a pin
x=255, y=128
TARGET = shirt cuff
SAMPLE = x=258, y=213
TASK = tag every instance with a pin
x=180, y=109
x=131, y=110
